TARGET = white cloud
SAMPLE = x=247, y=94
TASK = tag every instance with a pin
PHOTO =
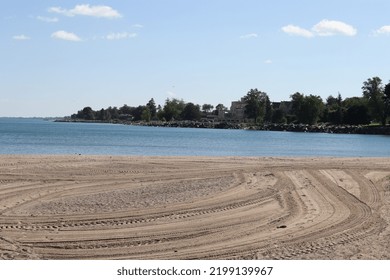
x=384, y=30
x=249, y=36
x=268, y=61
x=119, y=36
x=323, y=28
x=333, y=27
x=137, y=25
x=64, y=35
x=21, y=37
x=297, y=31
x=59, y=10
x=87, y=10
x=47, y=19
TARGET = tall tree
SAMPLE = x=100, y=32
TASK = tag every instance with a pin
x=334, y=110
x=114, y=112
x=220, y=107
x=278, y=116
x=296, y=102
x=125, y=110
x=307, y=109
x=88, y=113
x=173, y=108
x=296, y=105
x=386, y=98
x=146, y=115
x=103, y=115
x=207, y=108
x=152, y=108
x=311, y=110
x=373, y=92
x=191, y=112
x=138, y=113
x=255, y=107
x=356, y=111
x=268, y=110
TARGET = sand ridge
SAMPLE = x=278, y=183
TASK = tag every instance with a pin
x=102, y=207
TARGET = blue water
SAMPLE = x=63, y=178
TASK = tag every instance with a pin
x=36, y=136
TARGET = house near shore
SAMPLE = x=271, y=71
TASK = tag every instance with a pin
x=237, y=110
x=236, y=113
x=217, y=115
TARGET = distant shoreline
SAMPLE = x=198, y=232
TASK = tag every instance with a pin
x=320, y=128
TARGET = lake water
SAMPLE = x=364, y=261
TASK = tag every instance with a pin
x=36, y=136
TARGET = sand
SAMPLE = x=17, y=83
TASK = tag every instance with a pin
x=102, y=207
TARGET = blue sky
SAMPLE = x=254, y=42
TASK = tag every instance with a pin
x=60, y=56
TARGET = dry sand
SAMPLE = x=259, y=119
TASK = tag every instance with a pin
x=91, y=207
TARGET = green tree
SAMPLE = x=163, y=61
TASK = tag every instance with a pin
x=373, y=92
x=296, y=104
x=173, y=108
x=191, y=112
x=125, y=110
x=146, y=115
x=207, y=108
x=137, y=112
x=152, y=108
x=279, y=116
x=88, y=113
x=160, y=113
x=307, y=109
x=255, y=107
x=334, y=110
x=386, y=99
x=220, y=107
x=114, y=112
x=268, y=110
x=311, y=110
x=356, y=111
x=103, y=115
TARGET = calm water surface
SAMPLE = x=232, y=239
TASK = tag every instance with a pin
x=35, y=136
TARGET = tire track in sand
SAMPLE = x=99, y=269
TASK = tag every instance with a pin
x=273, y=208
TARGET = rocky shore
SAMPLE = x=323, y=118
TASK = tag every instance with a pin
x=319, y=128
x=342, y=129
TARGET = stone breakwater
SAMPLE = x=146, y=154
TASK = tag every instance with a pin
x=320, y=128
x=342, y=129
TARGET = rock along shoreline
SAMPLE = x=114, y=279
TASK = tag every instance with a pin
x=320, y=128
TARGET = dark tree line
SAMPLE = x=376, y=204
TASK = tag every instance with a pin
x=143, y=112
x=372, y=106
x=174, y=109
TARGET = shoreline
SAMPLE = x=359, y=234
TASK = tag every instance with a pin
x=321, y=128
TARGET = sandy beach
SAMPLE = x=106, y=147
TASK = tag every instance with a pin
x=102, y=207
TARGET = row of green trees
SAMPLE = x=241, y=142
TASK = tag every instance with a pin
x=173, y=109
x=372, y=106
